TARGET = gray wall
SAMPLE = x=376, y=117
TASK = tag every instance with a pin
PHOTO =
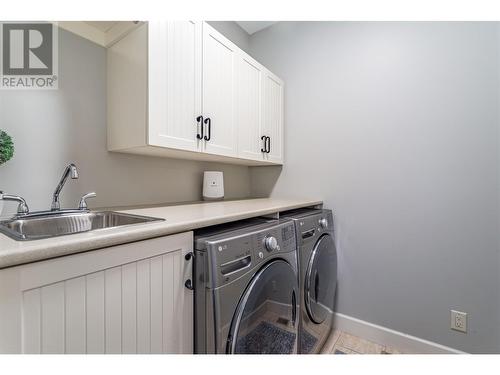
x=53, y=128
x=233, y=32
x=396, y=127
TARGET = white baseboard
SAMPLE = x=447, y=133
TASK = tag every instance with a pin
x=386, y=336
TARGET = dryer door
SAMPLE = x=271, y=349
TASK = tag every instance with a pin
x=266, y=319
x=321, y=280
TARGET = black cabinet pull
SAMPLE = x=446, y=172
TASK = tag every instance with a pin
x=199, y=120
x=263, y=138
x=209, y=122
x=268, y=147
x=189, y=284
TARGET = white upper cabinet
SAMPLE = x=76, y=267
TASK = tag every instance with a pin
x=219, y=63
x=181, y=89
x=249, y=101
x=259, y=112
x=174, y=84
x=273, y=117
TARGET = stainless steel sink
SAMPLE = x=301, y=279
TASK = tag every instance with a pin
x=60, y=224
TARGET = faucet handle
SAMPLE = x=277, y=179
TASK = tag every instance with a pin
x=83, y=200
x=22, y=208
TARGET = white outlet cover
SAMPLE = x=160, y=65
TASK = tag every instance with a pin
x=458, y=321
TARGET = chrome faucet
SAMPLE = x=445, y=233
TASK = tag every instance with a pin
x=70, y=170
x=83, y=201
x=24, y=212
x=22, y=208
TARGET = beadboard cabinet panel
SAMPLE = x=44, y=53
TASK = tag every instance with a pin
x=138, y=306
x=52, y=301
x=94, y=313
x=144, y=306
x=31, y=321
x=219, y=65
x=273, y=116
x=75, y=315
x=113, y=308
x=174, y=84
x=249, y=108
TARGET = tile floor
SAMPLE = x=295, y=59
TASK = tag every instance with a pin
x=344, y=343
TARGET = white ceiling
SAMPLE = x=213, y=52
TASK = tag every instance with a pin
x=252, y=27
x=103, y=26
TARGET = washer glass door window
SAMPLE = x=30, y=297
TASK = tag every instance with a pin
x=321, y=280
x=266, y=319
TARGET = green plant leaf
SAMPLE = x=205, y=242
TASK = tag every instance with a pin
x=6, y=147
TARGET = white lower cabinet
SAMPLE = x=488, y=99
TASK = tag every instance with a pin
x=124, y=299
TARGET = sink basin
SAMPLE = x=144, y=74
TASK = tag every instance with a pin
x=60, y=224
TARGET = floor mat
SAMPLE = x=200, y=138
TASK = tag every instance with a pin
x=307, y=342
x=266, y=338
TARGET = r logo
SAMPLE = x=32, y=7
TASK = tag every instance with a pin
x=27, y=49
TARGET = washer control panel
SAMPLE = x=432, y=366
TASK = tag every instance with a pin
x=310, y=227
x=238, y=252
x=279, y=239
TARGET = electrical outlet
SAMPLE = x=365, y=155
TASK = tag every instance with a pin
x=459, y=321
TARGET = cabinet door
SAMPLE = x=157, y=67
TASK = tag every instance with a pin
x=273, y=116
x=219, y=63
x=123, y=299
x=174, y=84
x=249, y=100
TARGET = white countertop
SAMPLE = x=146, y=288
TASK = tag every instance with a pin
x=178, y=218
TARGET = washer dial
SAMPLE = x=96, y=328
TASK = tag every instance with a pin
x=270, y=243
x=323, y=223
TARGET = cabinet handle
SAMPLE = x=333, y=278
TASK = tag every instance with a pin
x=263, y=138
x=268, y=147
x=209, y=122
x=189, y=284
x=199, y=120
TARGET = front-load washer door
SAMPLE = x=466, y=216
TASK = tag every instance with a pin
x=321, y=280
x=266, y=319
